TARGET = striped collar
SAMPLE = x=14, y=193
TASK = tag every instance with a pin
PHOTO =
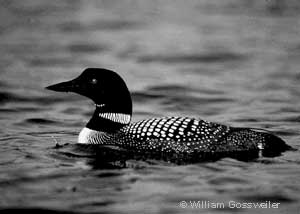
x=117, y=117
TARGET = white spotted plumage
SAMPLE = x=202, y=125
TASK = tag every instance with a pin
x=167, y=134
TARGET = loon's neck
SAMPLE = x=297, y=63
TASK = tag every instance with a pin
x=106, y=121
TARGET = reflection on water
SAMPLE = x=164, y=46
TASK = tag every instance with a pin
x=234, y=62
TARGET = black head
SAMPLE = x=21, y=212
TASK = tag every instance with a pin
x=105, y=87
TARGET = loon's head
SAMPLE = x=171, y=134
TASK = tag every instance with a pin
x=105, y=87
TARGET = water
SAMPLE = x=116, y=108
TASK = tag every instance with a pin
x=232, y=62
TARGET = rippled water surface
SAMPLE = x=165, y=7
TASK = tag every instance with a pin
x=233, y=62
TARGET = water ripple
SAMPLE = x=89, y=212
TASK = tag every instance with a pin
x=192, y=58
x=111, y=25
x=86, y=48
x=275, y=197
x=40, y=121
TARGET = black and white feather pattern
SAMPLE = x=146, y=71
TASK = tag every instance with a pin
x=179, y=135
x=161, y=133
x=116, y=117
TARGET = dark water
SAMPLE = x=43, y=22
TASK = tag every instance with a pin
x=233, y=62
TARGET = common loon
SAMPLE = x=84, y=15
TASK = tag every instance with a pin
x=176, y=137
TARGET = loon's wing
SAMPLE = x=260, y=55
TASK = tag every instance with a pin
x=178, y=136
x=180, y=153
x=189, y=131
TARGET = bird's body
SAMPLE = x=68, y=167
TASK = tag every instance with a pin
x=166, y=133
x=163, y=137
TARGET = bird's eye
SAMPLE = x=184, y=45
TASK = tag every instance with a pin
x=94, y=81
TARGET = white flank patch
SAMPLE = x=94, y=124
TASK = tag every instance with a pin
x=117, y=117
x=85, y=135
